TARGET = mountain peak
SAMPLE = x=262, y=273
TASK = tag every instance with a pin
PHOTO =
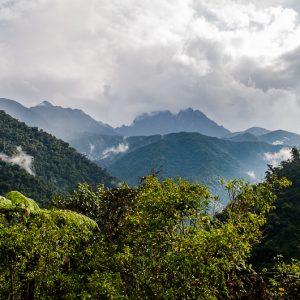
x=45, y=103
x=257, y=131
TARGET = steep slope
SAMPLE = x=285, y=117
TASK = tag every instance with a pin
x=65, y=123
x=13, y=177
x=106, y=149
x=52, y=161
x=22, y=113
x=68, y=123
x=164, y=122
x=193, y=156
x=282, y=232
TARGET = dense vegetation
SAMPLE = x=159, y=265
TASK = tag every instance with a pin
x=55, y=164
x=281, y=235
x=160, y=240
x=12, y=177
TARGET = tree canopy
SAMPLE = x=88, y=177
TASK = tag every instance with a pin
x=160, y=240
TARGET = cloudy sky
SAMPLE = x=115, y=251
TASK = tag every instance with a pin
x=238, y=61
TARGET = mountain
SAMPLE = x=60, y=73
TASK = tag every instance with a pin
x=282, y=231
x=244, y=137
x=64, y=123
x=255, y=131
x=22, y=113
x=68, y=123
x=281, y=137
x=164, y=122
x=189, y=155
x=31, y=155
x=277, y=137
x=106, y=149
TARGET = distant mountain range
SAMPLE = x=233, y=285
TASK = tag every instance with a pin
x=68, y=124
x=64, y=123
x=277, y=137
x=164, y=122
x=189, y=155
x=73, y=124
x=187, y=144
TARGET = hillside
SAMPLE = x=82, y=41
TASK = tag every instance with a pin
x=282, y=232
x=12, y=177
x=256, y=131
x=277, y=137
x=190, y=155
x=45, y=158
x=164, y=122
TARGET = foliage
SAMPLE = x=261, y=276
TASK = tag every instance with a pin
x=13, y=177
x=166, y=241
x=285, y=282
x=281, y=234
x=160, y=240
x=38, y=248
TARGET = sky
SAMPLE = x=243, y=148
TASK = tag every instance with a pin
x=237, y=61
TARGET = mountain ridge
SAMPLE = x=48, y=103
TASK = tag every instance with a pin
x=164, y=122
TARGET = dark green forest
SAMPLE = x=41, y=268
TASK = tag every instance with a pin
x=57, y=166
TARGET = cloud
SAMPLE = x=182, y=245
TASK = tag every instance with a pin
x=276, y=158
x=121, y=148
x=20, y=159
x=252, y=175
x=92, y=148
x=234, y=60
x=278, y=142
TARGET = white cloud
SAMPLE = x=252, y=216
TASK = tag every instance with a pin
x=20, y=159
x=92, y=148
x=121, y=148
x=276, y=158
x=116, y=59
x=252, y=175
x=278, y=142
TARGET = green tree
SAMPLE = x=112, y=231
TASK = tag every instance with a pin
x=167, y=242
x=38, y=248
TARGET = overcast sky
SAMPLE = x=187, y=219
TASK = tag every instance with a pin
x=237, y=61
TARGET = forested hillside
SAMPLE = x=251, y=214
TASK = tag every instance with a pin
x=12, y=177
x=281, y=235
x=47, y=160
x=190, y=155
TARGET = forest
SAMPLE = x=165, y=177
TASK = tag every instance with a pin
x=160, y=240
x=56, y=168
